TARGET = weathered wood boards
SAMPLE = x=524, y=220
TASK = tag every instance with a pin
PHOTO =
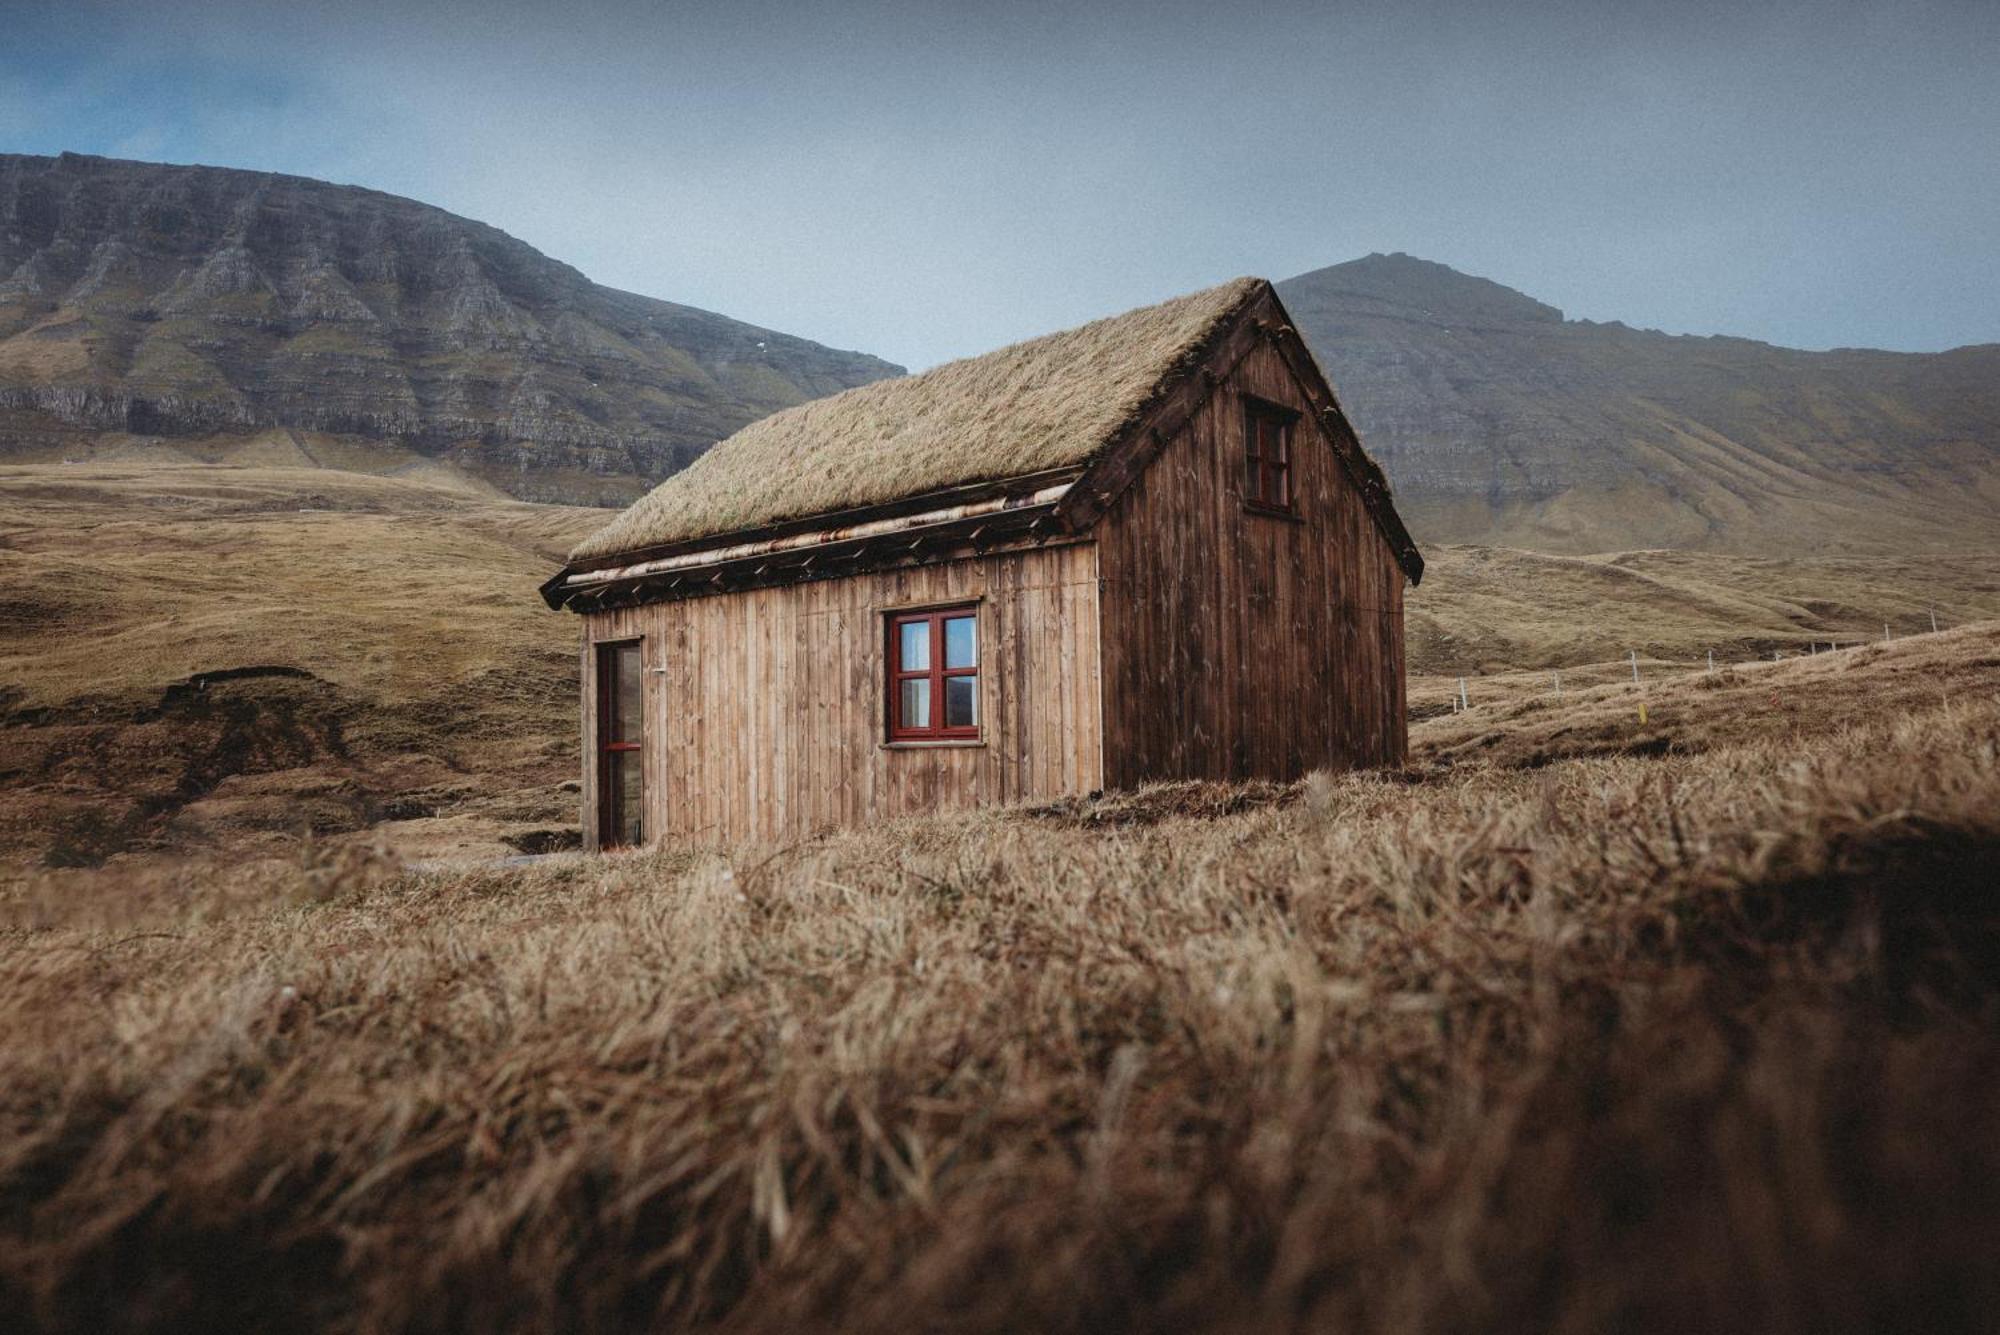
x=765, y=708
x=1239, y=644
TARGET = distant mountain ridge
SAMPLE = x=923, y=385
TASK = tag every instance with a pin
x=198, y=305
x=209, y=313
x=1500, y=422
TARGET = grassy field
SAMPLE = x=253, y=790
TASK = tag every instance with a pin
x=268, y=665
x=1488, y=609
x=1646, y=1007
x=223, y=661
x=1579, y=1024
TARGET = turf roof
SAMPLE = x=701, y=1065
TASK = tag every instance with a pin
x=1052, y=401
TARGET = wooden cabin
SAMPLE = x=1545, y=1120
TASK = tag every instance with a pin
x=1148, y=548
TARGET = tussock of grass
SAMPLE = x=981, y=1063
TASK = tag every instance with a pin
x=1700, y=1041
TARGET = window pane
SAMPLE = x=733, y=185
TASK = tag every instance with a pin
x=915, y=709
x=626, y=712
x=915, y=654
x=625, y=802
x=961, y=643
x=961, y=702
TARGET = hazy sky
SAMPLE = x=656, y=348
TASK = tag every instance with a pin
x=927, y=180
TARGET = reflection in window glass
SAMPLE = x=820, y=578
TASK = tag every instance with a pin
x=961, y=648
x=621, y=723
x=625, y=708
x=961, y=702
x=916, y=655
x=916, y=707
x=627, y=805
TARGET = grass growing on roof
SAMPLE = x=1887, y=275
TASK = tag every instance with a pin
x=1050, y=401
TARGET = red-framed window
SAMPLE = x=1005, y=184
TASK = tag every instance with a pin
x=934, y=675
x=1267, y=455
x=621, y=737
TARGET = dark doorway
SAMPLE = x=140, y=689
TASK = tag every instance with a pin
x=621, y=735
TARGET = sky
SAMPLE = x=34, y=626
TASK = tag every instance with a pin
x=929, y=180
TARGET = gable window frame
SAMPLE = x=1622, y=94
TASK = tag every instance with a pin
x=1268, y=483
x=940, y=665
x=619, y=737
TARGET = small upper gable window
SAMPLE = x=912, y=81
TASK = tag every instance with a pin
x=1267, y=455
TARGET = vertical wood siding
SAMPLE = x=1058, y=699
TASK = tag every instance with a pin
x=1240, y=645
x=765, y=708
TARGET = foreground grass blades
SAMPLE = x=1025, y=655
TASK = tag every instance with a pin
x=1690, y=1038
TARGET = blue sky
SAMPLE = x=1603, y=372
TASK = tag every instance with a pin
x=925, y=180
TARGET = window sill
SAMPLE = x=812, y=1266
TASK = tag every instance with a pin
x=1274, y=512
x=932, y=745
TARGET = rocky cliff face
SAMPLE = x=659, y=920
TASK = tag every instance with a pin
x=1501, y=422
x=179, y=302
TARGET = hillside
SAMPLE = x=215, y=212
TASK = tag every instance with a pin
x=214, y=662
x=1500, y=422
x=225, y=661
x=1494, y=609
x=187, y=312
x=1582, y=1023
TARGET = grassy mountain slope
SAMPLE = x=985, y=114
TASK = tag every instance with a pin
x=1500, y=422
x=170, y=305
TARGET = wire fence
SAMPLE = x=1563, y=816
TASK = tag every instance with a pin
x=1584, y=676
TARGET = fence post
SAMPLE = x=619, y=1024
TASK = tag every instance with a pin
x=1711, y=662
x=1464, y=701
x=1635, y=666
x=1885, y=632
x=1559, y=684
x=1933, y=621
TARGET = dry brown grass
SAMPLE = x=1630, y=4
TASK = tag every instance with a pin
x=438, y=719
x=1491, y=609
x=426, y=696
x=1050, y=401
x=1518, y=719
x=1696, y=1040
x=136, y=575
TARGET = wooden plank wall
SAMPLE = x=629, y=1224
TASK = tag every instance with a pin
x=1240, y=645
x=764, y=709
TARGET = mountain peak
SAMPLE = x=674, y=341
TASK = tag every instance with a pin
x=1422, y=285
x=1499, y=422
x=191, y=303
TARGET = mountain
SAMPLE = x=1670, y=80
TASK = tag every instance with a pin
x=151, y=311
x=206, y=312
x=1501, y=422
